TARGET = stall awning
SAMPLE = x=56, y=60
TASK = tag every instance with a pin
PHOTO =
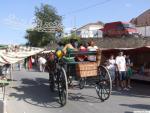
x=13, y=56
x=116, y=50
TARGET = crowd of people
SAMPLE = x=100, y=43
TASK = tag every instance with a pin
x=73, y=45
x=36, y=62
x=120, y=69
x=40, y=61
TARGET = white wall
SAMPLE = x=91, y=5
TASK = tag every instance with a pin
x=144, y=31
x=91, y=31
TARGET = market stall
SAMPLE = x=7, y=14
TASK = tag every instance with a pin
x=139, y=56
x=12, y=55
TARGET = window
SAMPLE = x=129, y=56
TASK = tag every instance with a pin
x=128, y=25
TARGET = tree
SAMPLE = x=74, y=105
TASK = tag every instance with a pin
x=66, y=40
x=47, y=15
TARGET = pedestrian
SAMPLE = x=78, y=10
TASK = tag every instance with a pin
x=25, y=63
x=19, y=65
x=42, y=63
x=112, y=67
x=121, y=66
x=29, y=63
x=33, y=62
x=129, y=65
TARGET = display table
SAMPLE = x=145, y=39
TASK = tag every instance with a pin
x=141, y=77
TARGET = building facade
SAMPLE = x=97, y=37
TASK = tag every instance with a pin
x=142, y=20
x=91, y=30
x=142, y=23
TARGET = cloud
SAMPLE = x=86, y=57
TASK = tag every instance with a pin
x=15, y=23
x=128, y=5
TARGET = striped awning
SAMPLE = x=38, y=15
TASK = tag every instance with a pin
x=12, y=55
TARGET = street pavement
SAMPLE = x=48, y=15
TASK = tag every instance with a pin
x=29, y=93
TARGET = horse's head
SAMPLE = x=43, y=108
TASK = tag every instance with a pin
x=51, y=56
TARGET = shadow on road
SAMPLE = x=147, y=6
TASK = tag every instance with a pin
x=36, y=92
x=83, y=98
x=128, y=112
x=139, y=106
x=139, y=89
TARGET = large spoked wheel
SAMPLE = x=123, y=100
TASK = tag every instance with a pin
x=104, y=85
x=62, y=86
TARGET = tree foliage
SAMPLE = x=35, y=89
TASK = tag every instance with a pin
x=66, y=40
x=46, y=14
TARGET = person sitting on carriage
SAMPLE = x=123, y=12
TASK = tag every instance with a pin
x=69, y=47
x=60, y=52
x=82, y=48
x=92, y=47
x=72, y=46
x=60, y=46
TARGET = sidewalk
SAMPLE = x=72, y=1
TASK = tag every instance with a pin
x=3, y=96
x=2, y=102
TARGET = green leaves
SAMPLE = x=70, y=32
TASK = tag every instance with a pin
x=46, y=14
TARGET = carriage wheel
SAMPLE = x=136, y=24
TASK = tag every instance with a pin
x=104, y=86
x=82, y=83
x=62, y=86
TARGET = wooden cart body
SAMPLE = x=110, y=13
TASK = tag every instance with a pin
x=84, y=68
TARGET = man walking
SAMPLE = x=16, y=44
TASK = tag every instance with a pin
x=42, y=62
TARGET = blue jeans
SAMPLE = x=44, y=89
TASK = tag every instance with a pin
x=122, y=75
x=112, y=74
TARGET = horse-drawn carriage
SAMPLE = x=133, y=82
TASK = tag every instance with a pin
x=62, y=69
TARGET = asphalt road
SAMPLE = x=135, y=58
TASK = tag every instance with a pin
x=29, y=93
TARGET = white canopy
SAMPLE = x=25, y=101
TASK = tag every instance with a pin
x=13, y=55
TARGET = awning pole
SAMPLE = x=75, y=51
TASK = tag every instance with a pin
x=11, y=72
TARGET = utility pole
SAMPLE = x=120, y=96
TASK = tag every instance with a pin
x=75, y=26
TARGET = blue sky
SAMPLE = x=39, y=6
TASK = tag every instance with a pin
x=17, y=15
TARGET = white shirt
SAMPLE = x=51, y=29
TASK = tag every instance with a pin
x=33, y=60
x=121, y=63
x=112, y=63
x=92, y=57
x=42, y=60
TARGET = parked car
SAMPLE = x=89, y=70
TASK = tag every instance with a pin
x=119, y=29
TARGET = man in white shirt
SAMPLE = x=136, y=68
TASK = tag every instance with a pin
x=121, y=65
x=42, y=62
